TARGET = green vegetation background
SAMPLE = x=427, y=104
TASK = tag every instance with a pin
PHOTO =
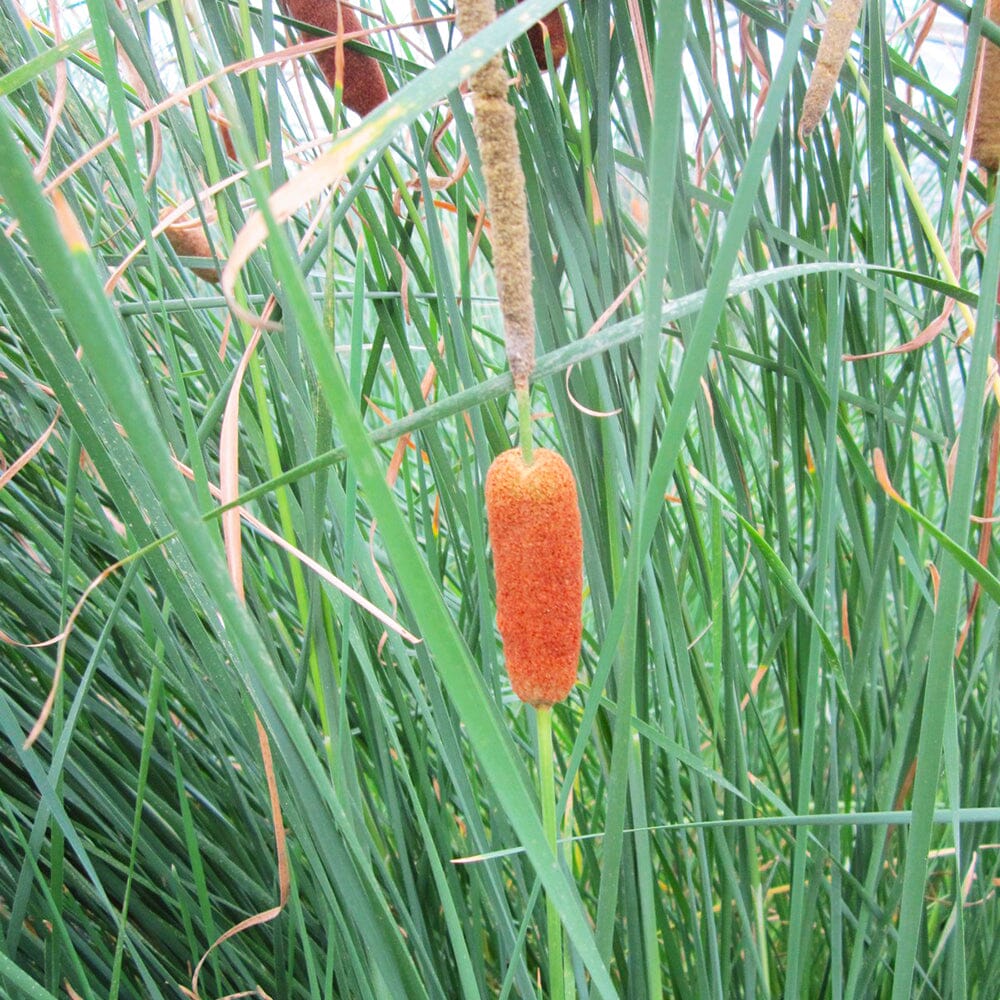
x=779, y=771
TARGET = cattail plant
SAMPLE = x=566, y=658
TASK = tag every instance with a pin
x=841, y=20
x=531, y=506
x=985, y=146
x=553, y=24
x=188, y=238
x=534, y=525
x=362, y=77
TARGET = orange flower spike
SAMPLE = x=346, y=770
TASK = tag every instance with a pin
x=363, y=80
x=534, y=526
x=557, y=39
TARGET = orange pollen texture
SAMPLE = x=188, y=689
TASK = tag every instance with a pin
x=364, y=83
x=534, y=526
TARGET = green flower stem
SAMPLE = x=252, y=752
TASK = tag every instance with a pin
x=524, y=423
x=547, y=793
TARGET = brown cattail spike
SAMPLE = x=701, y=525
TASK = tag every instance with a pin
x=187, y=237
x=363, y=81
x=557, y=38
x=505, y=195
x=227, y=140
x=534, y=525
x=986, y=111
x=841, y=20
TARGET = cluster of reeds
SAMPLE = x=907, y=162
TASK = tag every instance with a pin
x=779, y=655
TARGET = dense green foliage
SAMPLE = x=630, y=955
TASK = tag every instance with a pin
x=780, y=768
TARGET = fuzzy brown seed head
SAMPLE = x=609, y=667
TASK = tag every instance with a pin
x=557, y=39
x=534, y=525
x=841, y=21
x=505, y=196
x=364, y=83
x=986, y=127
x=187, y=237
